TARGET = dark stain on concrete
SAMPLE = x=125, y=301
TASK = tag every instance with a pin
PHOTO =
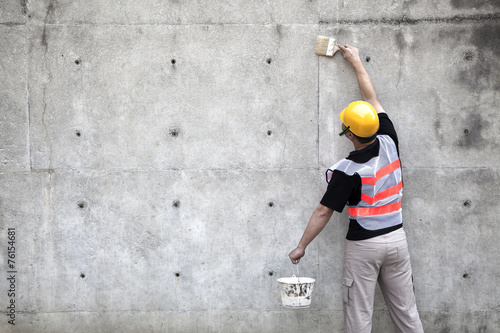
x=437, y=120
x=483, y=329
x=478, y=65
x=441, y=322
x=481, y=177
x=24, y=7
x=477, y=72
x=437, y=128
x=400, y=40
x=487, y=37
x=470, y=4
x=471, y=136
x=50, y=10
x=279, y=31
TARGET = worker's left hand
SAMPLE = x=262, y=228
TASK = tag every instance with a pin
x=296, y=254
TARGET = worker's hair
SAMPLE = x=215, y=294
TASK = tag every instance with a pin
x=365, y=140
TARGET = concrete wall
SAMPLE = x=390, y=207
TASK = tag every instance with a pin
x=159, y=159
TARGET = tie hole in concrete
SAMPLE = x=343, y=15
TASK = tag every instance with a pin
x=82, y=205
x=174, y=132
x=271, y=204
x=176, y=204
x=469, y=56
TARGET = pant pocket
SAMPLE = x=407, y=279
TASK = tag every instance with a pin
x=403, y=262
x=347, y=291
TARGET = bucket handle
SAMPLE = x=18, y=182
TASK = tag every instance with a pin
x=298, y=275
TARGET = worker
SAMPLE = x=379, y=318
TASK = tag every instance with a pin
x=369, y=182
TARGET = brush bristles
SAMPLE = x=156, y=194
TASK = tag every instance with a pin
x=321, y=45
x=326, y=46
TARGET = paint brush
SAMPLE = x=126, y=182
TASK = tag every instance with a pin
x=326, y=46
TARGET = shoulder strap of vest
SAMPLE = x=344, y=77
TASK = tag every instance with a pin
x=387, y=144
x=346, y=166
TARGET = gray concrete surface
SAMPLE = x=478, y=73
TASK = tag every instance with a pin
x=159, y=159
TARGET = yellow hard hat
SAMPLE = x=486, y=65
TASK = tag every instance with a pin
x=361, y=119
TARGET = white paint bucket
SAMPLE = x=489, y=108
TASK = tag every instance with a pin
x=296, y=292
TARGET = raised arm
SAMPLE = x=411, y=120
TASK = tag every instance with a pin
x=351, y=54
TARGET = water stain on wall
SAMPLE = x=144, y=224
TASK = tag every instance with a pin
x=479, y=63
x=487, y=37
x=472, y=132
x=480, y=177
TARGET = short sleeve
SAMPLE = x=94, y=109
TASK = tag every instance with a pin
x=387, y=127
x=342, y=189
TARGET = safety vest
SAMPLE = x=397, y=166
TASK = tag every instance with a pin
x=381, y=187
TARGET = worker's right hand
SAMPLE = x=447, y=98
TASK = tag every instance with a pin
x=350, y=53
x=296, y=254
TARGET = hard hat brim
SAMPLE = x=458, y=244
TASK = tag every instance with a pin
x=342, y=116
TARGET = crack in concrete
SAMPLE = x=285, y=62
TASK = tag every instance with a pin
x=28, y=116
x=271, y=12
x=400, y=74
x=401, y=46
x=45, y=45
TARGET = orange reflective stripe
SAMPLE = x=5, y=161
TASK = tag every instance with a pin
x=381, y=173
x=382, y=195
x=371, y=211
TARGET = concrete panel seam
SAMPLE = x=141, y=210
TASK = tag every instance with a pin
x=142, y=24
x=315, y=169
x=405, y=20
x=105, y=171
x=11, y=24
x=449, y=167
x=167, y=312
x=318, y=110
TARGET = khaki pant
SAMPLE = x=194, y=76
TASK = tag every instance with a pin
x=384, y=259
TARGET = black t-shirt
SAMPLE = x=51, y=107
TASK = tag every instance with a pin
x=346, y=190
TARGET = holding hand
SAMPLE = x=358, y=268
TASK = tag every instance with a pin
x=350, y=53
x=296, y=254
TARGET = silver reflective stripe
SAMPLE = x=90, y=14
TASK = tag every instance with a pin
x=387, y=155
